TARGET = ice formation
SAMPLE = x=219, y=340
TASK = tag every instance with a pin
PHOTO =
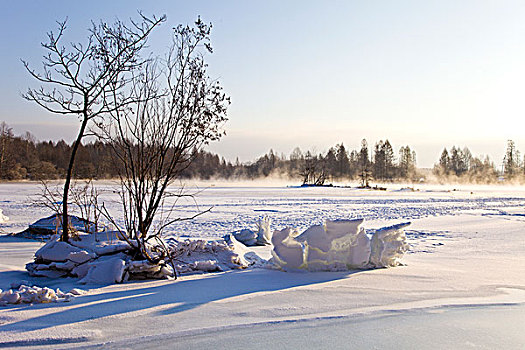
x=338, y=245
x=22, y=293
x=3, y=218
x=388, y=245
x=208, y=256
x=260, y=237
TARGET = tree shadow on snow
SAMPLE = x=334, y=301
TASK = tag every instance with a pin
x=185, y=294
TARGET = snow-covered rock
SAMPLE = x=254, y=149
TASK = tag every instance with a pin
x=101, y=258
x=3, y=218
x=262, y=236
x=338, y=245
x=388, y=245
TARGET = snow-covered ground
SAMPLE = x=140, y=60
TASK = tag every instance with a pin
x=464, y=269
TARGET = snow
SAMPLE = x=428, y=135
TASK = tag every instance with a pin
x=466, y=255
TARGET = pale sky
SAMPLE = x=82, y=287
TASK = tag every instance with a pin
x=312, y=74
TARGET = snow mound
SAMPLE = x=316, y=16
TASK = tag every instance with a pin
x=338, y=245
x=260, y=237
x=24, y=294
x=51, y=225
x=100, y=258
x=103, y=258
x=388, y=245
x=3, y=218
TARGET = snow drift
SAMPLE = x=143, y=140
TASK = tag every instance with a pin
x=338, y=245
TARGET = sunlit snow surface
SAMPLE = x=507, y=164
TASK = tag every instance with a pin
x=237, y=208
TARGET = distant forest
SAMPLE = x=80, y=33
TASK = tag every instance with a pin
x=22, y=157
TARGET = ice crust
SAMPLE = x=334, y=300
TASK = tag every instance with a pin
x=338, y=245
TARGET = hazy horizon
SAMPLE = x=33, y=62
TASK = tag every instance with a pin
x=310, y=74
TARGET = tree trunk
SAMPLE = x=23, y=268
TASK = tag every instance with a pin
x=65, y=220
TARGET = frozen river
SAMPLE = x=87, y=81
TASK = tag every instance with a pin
x=462, y=286
x=235, y=208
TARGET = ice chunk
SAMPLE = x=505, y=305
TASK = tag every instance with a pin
x=56, y=251
x=43, y=270
x=65, y=266
x=246, y=236
x=261, y=237
x=336, y=245
x=350, y=245
x=31, y=295
x=77, y=291
x=3, y=218
x=81, y=257
x=81, y=270
x=105, y=272
x=10, y=297
x=388, y=245
x=288, y=254
x=264, y=234
x=206, y=265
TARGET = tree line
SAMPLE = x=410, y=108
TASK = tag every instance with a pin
x=460, y=165
x=22, y=157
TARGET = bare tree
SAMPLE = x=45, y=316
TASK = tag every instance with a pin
x=177, y=109
x=77, y=77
